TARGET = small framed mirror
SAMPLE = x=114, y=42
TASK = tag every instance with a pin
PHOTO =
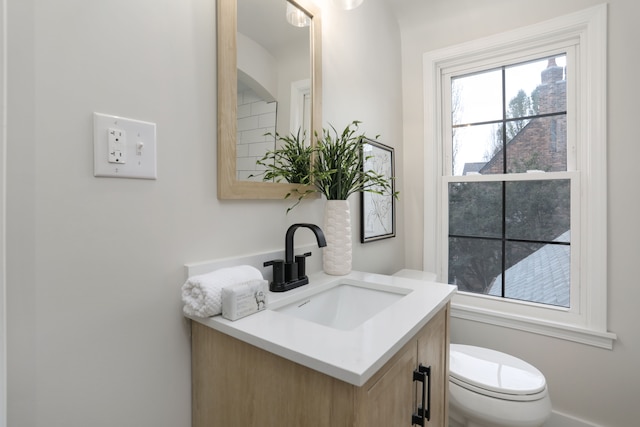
x=269, y=81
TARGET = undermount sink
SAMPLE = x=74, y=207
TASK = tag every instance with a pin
x=346, y=305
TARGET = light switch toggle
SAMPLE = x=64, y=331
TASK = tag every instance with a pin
x=117, y=146
x=139, y=147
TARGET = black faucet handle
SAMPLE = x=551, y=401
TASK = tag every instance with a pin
x=303, y=256
x=300, y=260
x=278, y=271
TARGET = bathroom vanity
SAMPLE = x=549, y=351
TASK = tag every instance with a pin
x=287, y=366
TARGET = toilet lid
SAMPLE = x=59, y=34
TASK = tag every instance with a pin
x=493, y=371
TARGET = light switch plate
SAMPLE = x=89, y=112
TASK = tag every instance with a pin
x=137, y=156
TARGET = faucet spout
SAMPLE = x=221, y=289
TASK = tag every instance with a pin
x=322, y=242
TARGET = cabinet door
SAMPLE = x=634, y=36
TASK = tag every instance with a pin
x=237, y=384
x=389, y=401
x=433, y=350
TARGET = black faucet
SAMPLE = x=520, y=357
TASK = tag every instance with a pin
x=290, y=273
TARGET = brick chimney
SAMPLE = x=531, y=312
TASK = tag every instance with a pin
x=553, y=89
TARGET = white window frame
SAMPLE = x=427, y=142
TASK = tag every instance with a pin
x=583, y=35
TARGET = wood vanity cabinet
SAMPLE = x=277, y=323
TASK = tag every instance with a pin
x=237, y=384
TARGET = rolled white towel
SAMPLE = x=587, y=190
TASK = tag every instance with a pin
x=202, y=294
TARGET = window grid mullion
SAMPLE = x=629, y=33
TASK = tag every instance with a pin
x=511, y=240
x=504, y=191
x=510, y=119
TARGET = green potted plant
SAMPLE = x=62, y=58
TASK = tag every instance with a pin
x=336, y=172
x=290, y=162
x=337, y=161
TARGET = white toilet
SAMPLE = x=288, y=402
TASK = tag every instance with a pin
x=488, y=388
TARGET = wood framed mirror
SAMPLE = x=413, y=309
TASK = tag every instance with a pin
x=231, y=182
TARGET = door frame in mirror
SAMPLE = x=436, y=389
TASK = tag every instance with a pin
x=229, y=187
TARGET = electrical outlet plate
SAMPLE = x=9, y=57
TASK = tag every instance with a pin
x=117, y=145
x=123, y=148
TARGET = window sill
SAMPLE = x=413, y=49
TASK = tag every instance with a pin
x=538, y=326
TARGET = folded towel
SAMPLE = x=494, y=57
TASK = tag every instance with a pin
x=202, y=294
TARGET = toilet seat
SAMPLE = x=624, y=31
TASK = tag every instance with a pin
x=495, y=374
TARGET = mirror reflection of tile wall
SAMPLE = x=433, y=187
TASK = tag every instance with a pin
x=256, y=118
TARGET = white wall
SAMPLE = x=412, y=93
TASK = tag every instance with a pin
x=596, y=385
x=94, y=265
x=3, y=288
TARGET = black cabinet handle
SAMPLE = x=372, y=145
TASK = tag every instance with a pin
x=423, y=374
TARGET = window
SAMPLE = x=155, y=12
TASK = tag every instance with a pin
x=510, y=237
x=516, y=131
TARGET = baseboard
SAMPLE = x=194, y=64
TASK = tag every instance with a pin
x=558, y=419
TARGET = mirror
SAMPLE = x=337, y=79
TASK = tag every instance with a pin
x=240, y=72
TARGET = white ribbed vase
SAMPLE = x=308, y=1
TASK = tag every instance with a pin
x=336, y=256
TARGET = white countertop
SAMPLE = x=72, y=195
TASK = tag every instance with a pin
x=352, y=356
